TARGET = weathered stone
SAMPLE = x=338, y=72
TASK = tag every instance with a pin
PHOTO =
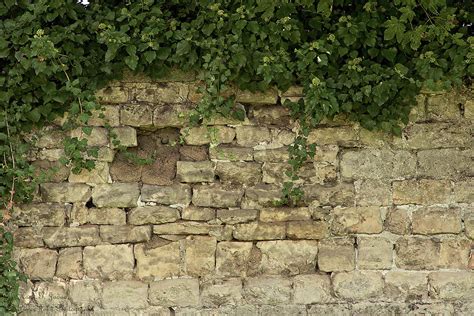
x=193, y=213
x=329, y=309
x=107, y=114
x=347, y=136
x=216, y=196
x=159, y=261
x=336, y=254
x=50, y=138
x=50, y=154
x=200, y=255
x=37, y=263
x=269, y=96
x=124, y=170
x=239, y=172
x=454, y=253
x=51, y=295
x=398, y=221
x=288, y=257
x=136, y=115
x=116, y=195
x=142, y=93
x=39, y=214
x=357, y=220
x=173, y=194
x=56, y=237
x=85, y=294
x=175, y=115
x=262, y=195
x=435, y=135
x=65, y=192
x=208, y=135
x=100, y=174
x=357, y=285
x=235, y=216
x=125, y=294
x=280, y=138
x=463, y=191
x=124, y=136
x=152, y=215
x=443, y=107
x=250, y=136
x=221, y=292
x=406, y=286
x=195, y=171
x=446, y=162
x=259, y=231
x=374, y=253
x=109, y=262
x=373, y=192
x=422, y=191
x=312, y=288
x=233, y=258
x=193, y=153
x=28, y=237
x=340, y=194
x=70, y=263
x=98, y=216
x=436, y=220
x=231, y=153
x=271, y=155
x=98, y=136
x=175, y=292
x=416, y=253
x=188, y=228
x=272, y=310
x=172, y=92
x=272, y=115
x=267, y=290
x=285, y=214
x=125, y=233
x=380, y=309
x=452, y=285
x=115, y=95
x=377, y=164
x=55, y=171
x=469, y=224
x=307, y=230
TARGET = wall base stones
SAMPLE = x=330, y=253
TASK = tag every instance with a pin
x=386, y=227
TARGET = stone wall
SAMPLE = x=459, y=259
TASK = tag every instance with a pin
x=386, y=227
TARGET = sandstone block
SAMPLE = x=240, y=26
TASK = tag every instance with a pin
x=312, y=288
x=271, y=155
x=443, y=107
x=108, y=114
x=173, y=194
x=172, y=92
x=340, y=194
x=406, y=286
x=235, y=216
x=125, y=294
x=116, y=195
x=65, y=192
x=272, y=115
x=457, y=285
x=98, y=216
x=110, y=262
x=39, y=214
x=435, y=135
x=231, y=153
x=454, y=253
x=357, y=285
x=347, y=136
x=259, y=231
x=267, y=290
x=195, y=171
x=269, y=96
x=374, y=253
x=85, y=294
x=373, y=192
x=469, y=224
x=221, y=292
x=175, y=292
x=124, y=136
x=59, y=237
x=329, y=309
x=37, y=263
x=357, y=220
x=422, y=191
x=463, y=191
x=261, y=195
x=336, y=254
x=307, y=230
x=152, y=215
x=125, y=234
x=100, y=174
x=271, y=310
x=436, y=220
x=113, y=95
x=416, y=253
x=28, y=237
x=239, y=172
x=216, y=196
x=398, y=221
x=444, y=163
x=166, y=115
x=203, y=135
x=287, y=257
x=188, y=228
x=193, y=213
x=136, y=115
x=250, y=136
x=50, y=138
x=69, y=264
x=233, y=258
x=157, y=261
x=285, y=214
x=200, y=255
x=98, y=136
x=51, y=295
x=50, y=154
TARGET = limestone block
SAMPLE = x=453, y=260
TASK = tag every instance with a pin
x=157, y=261
x=235, y=216
x=172, y=92
x=261, y=195
x=469, y=224
x=233, y=258
x=307, y=229
x=51, y=294
x=357, y=220
x=231, y=153
x=193, y=213
x=346, y=136
x=65, y=192
x=98, y=216
x=188, y=228
x=100, y=174
x=312, y=288
x=69, y=264
x=175, y=115
x=174, y=292
x=200, y=255
x=336, y=254
x=50, y=138
x=406, y=286
x=329, y=309
x=39, y=214
x=195, y=171
x=398, y=221
x=357, y=285
x=436, y=220
x=109, y=262
x=463, y=191
x=113, y=95
x=239, y=172
x=374, y=253
x=125, y=294
x=259, y=231
x=271, y=115
x=126, y=136
x=216, y=196
x=37, y=263
x=85, y=294
x=204, y=135
x=445, y=163
x=435, y=135
x=59, y=237
x=108, y=114
x=28, y=237
x=267, y=290
x=152, y=215
x=373, y=192
x=221, y=292
x=116, y=195
x=285, y=214
x=443, y=107
x=457, y=285
x=250, y=136
x=97, y=137
x=125, y=233
x=269, y=96
x=423, y=191
x=272, y=155
x=340, y=194
x=173, y=194
x=136, y=115
x=416, y=253
x=454, y=253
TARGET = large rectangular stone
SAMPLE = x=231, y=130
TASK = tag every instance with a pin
x=341, y=135
x=312, y=288
x=375, y=253
x=406, y=285
x=235, y=216
x=423, y=191
x=219, y=292
x=267, y=290
x=435, y=135
x=259, y=231
x=37, y=263
x=150, y=214
x=204, y=135
x=261, y=195
x=351, y=220
x=284, y=214
x=110, y=262
x=445, y=163
x=191, y=228
x=416, y=253
x=449, y=286
x=307, y=229
x=200, y=255
x=65, y=192
x=125, y=295
x=175, y=292
x=217, y=196
x=39, y=214
x=231, y=153
x=250, y=136
x=59, y=237
x=125, y=234
x=163, y=194
x=195, y=171
x=157, y=260
x=336, y=254
x=342, y=194
x=436, y=220
x=116, y=195
x=347, y=285
x=233, y=258
x=239, y=172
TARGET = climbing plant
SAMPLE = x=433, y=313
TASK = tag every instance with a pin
x=366, y=59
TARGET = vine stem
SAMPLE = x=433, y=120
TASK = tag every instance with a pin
x=9, y=206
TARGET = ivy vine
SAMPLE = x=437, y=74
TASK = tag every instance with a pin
x=367, y=59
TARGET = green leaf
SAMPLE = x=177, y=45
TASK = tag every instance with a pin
x=394, y=28
x=131, y=61
x=149, y=56
x=182, y=48
x=34, y=115
x=325, y=7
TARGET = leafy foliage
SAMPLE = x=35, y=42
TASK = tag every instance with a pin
x=366, y=59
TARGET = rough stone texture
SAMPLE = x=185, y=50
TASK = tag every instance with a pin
x=385, y=227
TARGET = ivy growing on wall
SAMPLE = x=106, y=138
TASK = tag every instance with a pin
x=367, y=59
